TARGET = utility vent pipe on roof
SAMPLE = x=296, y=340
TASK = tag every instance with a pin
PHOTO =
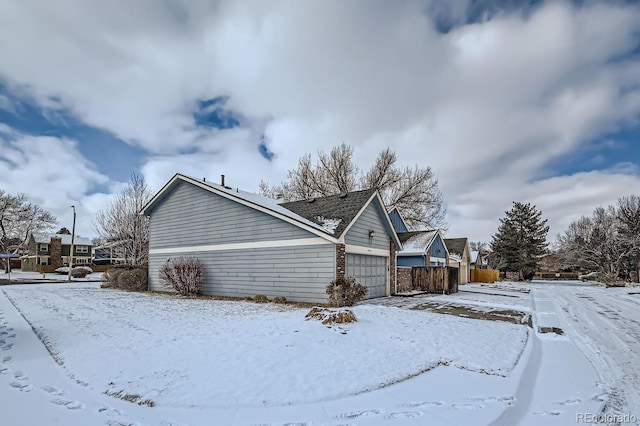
x=222, y=180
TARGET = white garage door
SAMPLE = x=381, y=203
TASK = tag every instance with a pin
x=370, y=271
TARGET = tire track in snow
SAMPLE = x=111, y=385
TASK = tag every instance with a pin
x=606, y=329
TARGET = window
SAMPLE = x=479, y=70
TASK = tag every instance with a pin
x=44, y=247
x=44, y=260
x=82, y=249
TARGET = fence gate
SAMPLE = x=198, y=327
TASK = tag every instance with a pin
x=434, y=279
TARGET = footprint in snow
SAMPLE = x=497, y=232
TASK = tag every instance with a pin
x=19, y=375
x=424, y=404
x=71, y=405
x=403, y=415
x=21, y=386
x=491, y=399
x=6, y=359
x=467, y=406
x=547, y=413
x=121, y=423
x=7, y=346
x=4, y=370
x=53, y=391
x=357, y=414
x=570, y=402
x=110, y=411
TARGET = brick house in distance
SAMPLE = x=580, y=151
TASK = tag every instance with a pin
x=53, y=250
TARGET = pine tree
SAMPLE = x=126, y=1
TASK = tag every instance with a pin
x=521, y=240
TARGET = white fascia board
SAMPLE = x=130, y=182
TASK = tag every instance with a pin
x=240, y=246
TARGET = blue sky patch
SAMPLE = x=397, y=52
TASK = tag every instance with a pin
x=112, y=156
x=264, y=149
x=212, y=113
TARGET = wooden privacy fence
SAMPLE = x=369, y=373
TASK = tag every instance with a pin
x=485, y=275
x=435, y=279
x=546, y=275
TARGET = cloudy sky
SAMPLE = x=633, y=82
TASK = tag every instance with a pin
x=535, y=101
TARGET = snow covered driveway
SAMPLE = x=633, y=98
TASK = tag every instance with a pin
x=605, y=324
x=205, y=353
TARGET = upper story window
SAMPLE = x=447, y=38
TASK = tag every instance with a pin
x=43, y=247
x=82, y=249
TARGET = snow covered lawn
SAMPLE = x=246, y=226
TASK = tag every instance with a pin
x=185, y=353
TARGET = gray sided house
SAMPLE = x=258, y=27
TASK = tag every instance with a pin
x=253, y=245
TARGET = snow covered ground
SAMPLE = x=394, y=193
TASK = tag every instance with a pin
x=213, y=362
x=604, y=323
x=34, y=277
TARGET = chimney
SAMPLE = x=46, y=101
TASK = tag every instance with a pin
x=56, y=252
x=222, y=180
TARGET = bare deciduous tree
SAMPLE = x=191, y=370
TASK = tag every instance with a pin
x=19, y=218
x=121, y=222
x=414, y=191
x=608, y=241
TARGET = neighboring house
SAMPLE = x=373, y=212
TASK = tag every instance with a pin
x=479, y=259
x=422, y=248
x=20, y=250
x=398, y=221
x=252, y=245
x=460, y=257
x=112, y=253
x=54, y=249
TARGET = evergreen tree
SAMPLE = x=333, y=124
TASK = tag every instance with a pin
x=521, y=240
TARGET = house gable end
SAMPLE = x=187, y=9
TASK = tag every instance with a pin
x=397, y=221
x=372, y=218
x=188, y=216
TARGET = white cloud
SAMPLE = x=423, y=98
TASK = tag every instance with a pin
x=54, y=175
x=487, y=105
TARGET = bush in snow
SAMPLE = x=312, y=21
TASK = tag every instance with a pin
x=279, y=299
x=133, y=279
x=330, y=317
x=77, y=272
x=80, y=272
x=184, y=274
x=261, y=298
x=345, y=291
x=110, y=277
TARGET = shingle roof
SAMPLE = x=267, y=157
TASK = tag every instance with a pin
x=66, y=239
x=333, y=213
x=416, y=242
x=455, y=245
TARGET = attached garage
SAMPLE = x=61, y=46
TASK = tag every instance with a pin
x=370, y=271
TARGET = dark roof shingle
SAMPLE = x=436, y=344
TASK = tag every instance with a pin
x=455, y=245
x=327, y=210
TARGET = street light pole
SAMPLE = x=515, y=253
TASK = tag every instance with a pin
x=73, y=235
